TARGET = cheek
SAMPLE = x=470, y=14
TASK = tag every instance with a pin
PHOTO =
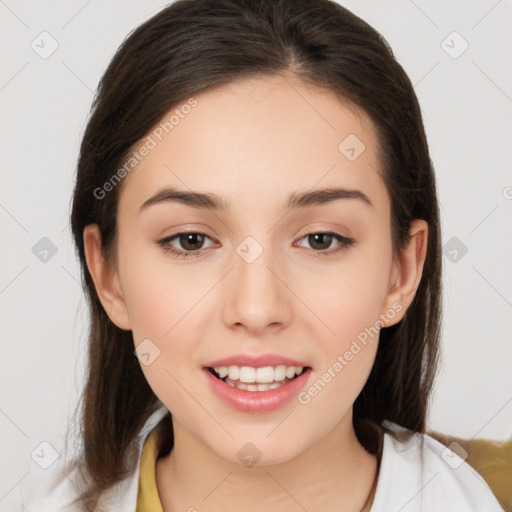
x=349, y=297
x=348, y=338
x=163, y=300
x=349, y=302
x=159, y=293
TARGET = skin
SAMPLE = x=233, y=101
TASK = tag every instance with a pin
x=254, y=142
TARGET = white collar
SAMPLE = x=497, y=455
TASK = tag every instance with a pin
x=404, y=482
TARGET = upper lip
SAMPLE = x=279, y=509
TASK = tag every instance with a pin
x=256, y=361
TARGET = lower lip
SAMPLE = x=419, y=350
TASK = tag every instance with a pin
x=257, y=401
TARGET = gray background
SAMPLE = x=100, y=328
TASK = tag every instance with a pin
x=466, y=101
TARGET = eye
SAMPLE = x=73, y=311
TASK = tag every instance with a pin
x=192, y=242
x=323, y=241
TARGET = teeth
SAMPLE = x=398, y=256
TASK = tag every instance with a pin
x=280, y=372
x=265, y=375
x=247, y=374
x=253, y=387
x=290, y=372
x=233, y=372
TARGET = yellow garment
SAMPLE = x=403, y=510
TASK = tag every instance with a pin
x=491, y=459
x=148, y=499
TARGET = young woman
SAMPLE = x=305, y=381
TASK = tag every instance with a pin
x=256, y=217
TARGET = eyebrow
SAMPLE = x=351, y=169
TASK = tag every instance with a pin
x=296, y=200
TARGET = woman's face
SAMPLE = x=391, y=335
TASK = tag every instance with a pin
x=254, y=283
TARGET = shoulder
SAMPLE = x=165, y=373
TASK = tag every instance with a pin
x=491, y=459
x=54, y=489
x=57, y=488
x=422, y=474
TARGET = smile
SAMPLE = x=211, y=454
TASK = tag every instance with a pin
x=257, y=390
x=256, y=379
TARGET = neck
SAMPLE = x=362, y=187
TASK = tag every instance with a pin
x=335, y=474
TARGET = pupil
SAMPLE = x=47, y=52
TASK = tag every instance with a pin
x=188, y=238
x=318, y=235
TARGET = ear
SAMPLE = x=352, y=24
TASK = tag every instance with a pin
x=406, y=273
x=105, y=278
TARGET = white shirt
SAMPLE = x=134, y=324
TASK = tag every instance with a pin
x=443, y=483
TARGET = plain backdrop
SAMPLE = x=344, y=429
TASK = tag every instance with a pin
x=457, y=55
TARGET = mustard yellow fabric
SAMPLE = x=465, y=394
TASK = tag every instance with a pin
x=491, y=459
x=148, y=499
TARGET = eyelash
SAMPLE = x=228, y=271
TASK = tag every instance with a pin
x=165, y=244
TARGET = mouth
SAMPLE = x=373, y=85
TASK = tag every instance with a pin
x=261, y=379
x=257, y=384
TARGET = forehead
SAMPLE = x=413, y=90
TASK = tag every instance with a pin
x=257, y=138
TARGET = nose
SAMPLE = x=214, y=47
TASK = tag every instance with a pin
x=256, y=296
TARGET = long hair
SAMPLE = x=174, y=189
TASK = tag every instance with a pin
x=193, y=45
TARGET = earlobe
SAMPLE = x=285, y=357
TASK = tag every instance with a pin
x=408, y=270
x=106, y=279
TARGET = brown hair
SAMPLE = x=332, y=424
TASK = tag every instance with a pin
x=193, y=45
